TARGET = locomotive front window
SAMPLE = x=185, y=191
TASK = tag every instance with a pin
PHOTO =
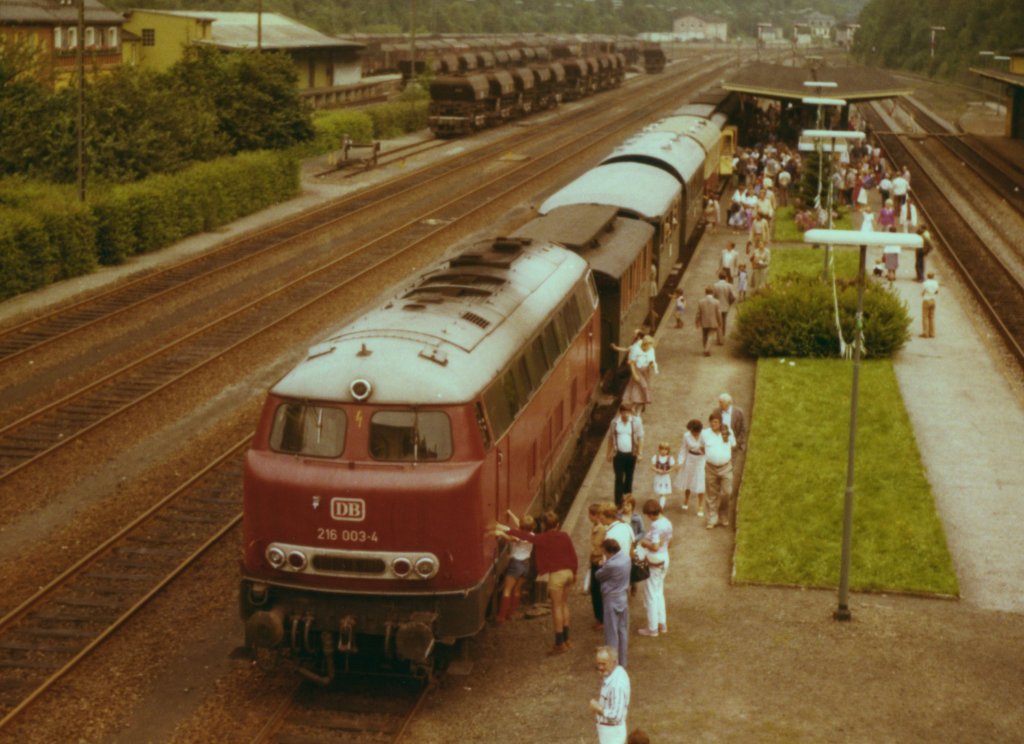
x=303, y=429
x=410, y=436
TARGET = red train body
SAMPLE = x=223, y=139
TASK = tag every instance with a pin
x=381, y=461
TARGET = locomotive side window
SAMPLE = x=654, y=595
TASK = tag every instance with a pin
x=498, y=412
x=410, y=436
x=571, y=314
x=535, y=361
x=302, y=429
x=482, y=423
x=550, y=341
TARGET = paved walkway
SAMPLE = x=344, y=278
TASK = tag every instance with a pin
x=969, y=424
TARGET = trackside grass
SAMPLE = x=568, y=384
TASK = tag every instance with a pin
x=791, y=503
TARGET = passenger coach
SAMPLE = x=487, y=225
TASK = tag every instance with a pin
x=384, y=456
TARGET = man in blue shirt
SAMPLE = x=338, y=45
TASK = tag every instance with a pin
x=614, y=577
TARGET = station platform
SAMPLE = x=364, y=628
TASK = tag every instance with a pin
x=744, y=663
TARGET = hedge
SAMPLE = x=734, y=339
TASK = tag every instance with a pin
x=795, y=317
x=45, y=235
x=332, y=126
x=394, y=119
x=155, y=212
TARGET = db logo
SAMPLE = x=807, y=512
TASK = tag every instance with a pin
x=348, y=510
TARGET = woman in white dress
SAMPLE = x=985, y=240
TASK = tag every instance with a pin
x=691, y=458
x=642, y=364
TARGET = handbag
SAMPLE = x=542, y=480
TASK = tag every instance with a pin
x=639, y=571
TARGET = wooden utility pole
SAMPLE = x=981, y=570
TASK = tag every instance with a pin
x=80, y=64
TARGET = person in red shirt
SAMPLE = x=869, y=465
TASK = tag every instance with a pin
x=556, y=556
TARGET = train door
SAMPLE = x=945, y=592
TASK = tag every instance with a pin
x=503, y=462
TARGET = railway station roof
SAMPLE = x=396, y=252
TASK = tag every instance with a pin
x=788, y=83
x=1009, y=78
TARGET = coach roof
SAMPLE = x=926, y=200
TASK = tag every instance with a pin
x=448, y=335
x=635, y=188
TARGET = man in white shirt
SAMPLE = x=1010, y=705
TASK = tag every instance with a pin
x=612, y=705
x=717, y=443
x=900, y=187
x=625, y=440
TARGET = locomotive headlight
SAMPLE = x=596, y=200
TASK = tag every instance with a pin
x=275, y=557
x=401, y=567
x=426, y=567
x=296, y=560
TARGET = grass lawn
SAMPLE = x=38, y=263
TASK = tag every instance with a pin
x=808, y=261
x=786, y=230
x=790, y=519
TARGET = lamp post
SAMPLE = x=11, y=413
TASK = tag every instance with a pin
x=822, y=141
x=862, y=239
x=935, y=29
x=80, y=112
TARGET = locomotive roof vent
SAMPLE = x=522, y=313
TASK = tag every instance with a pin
x=363, y=351
x=476, y=319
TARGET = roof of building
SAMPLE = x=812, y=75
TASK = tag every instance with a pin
x=1003, y=77
x=55, y=12
x=779, y=81
x=238, y=31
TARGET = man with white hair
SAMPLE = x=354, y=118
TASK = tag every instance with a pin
x=610, y=707
x=733, y=421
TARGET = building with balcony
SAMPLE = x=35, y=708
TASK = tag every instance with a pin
x=50, y=28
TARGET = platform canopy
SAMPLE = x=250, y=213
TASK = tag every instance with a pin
x=793, y=83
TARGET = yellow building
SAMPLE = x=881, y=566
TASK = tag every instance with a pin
x=323, y=63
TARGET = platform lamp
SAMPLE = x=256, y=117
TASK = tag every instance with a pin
x=822, y=141
x=862, y=239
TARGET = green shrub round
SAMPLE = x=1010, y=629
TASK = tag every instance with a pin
x=795, y=317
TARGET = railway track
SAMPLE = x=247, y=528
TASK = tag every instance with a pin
x=355, y=709
x=38, y=332
x=53, y=426
x=1005, y=179
x=50, y=633
x=994, y=285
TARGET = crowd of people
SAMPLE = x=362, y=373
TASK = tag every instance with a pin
x=629, y=552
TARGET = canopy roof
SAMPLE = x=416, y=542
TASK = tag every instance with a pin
x=787, y=83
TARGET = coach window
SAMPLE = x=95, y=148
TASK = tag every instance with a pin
x=524, y=385
x=561, y=335
x=410, y=436
x=301, y=429
x=508, y=386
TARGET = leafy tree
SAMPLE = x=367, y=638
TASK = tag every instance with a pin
x=254, y=96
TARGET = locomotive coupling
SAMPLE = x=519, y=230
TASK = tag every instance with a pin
x=265, y=629
x=414, y=639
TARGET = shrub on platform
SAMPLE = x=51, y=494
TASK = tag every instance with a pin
x=795, y=317
x=27, y=258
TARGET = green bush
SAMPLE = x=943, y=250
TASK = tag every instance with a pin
x=158, y=211
x=332, y=126
x=65, y=248
x=27, y=258
x=395, y=119
x=795, y=317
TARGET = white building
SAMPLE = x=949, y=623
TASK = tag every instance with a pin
x=695, y=28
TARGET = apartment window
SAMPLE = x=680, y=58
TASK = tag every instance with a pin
x=90, y=37
x=58, y=38
x=149, y=37
x=112, y=38
x=72, y=38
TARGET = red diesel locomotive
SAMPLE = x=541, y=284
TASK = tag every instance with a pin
x=382, y=459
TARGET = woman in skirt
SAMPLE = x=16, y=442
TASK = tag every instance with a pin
x=691, y=458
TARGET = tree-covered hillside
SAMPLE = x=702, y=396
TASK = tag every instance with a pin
x=898, y=34
x=517, y=16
